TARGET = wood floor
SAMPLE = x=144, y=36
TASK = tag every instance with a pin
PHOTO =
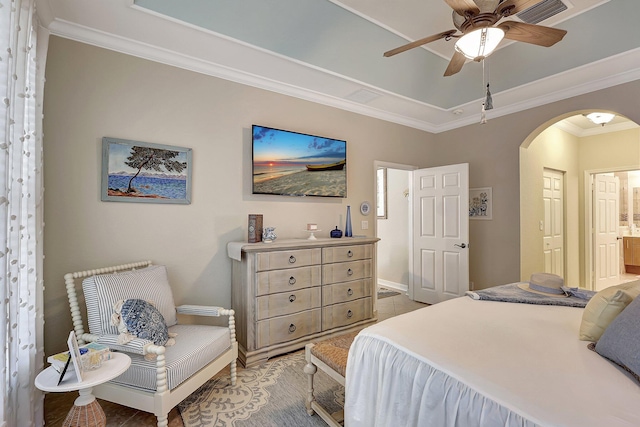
x=56, y=405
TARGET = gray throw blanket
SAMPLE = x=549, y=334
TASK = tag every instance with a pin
x=512, y=293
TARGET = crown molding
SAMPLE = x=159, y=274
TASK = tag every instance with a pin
x=315, y=84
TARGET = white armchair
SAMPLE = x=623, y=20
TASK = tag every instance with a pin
x=158, y=382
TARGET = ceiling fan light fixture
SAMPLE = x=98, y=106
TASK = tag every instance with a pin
x=480, y=43
x=600, y=118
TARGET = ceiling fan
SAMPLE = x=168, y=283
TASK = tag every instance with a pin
x=476, y=20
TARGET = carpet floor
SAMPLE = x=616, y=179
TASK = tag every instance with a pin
x=272, y=394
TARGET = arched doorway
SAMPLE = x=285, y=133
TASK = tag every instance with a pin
x=573, y=149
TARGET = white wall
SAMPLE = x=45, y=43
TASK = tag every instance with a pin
x=91, y=93
x=393, y=248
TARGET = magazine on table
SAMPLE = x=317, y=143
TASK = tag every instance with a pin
x=78, y=358
x=58, y=360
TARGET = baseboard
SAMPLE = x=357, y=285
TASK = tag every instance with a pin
x=400, y=287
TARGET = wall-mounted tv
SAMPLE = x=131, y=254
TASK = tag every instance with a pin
x=296, y=164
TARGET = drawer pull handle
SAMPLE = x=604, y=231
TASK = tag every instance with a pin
x=349, y=314
x=292, y=259
x=292, y=328
x=350, y=292
x=292, y=280
x=349, y=254
x=292, y=298
x=349, y=272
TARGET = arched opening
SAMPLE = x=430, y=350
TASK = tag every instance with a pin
x=560, y=163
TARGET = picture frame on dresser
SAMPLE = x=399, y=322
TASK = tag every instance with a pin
x=143, y=172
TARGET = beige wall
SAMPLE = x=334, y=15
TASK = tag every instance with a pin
x=492, y=151
x=558, y=150
x=91, y=93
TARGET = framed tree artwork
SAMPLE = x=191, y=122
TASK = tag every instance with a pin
x=143, y=172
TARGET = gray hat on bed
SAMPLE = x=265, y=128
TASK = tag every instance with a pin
x=544, y=284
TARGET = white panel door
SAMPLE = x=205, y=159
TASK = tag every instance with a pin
x=441, y=233
x=553, y=237
x=605, y=216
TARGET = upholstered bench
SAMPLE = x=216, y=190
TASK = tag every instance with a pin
x=331, y=357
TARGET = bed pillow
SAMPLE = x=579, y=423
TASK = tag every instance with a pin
x=620, y=342
x=604, y=307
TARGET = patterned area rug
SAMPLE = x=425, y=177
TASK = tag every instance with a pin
x=385, y=293
x=272, y=394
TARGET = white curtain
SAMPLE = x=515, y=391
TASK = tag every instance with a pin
x=22, y=56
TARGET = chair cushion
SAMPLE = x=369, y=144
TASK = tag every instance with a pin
x=334, y=351
x=196, y=346
x=102, y=291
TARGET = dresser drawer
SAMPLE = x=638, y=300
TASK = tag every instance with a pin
x=288, y=259
x=287, y=303
x=343, y=271
x=291, y=279
x=346, y=291
x=346, y=253
x=346, y=313
x=287, y=328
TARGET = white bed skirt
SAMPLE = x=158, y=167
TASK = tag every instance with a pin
x=481, y=363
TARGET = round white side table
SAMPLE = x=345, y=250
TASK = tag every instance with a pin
x=86, y=410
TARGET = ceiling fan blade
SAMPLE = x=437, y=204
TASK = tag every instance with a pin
x=455, y=65
x=419, y=43
x=462, y=6
x=515, y=6
x=529, y=33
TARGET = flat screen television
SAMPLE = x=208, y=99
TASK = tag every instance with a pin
x=296, y=164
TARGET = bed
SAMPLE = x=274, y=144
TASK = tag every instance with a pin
x=484, y=363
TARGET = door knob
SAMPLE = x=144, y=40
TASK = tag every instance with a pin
x=460, y=246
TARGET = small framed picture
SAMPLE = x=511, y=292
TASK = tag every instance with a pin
x=480, y=203
x=74, y=351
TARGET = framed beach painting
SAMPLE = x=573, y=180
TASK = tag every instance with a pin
x=480, y=203
x=134, y=171
x=287, y=163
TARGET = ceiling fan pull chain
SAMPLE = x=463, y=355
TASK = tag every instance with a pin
x=488, y=101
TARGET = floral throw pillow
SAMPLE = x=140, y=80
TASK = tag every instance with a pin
x=136, y=318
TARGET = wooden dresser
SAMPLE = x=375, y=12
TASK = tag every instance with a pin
x=290, y=292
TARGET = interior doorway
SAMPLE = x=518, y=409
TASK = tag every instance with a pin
x=577, y=148
x=423, y=224
x=615, y=219
x=393, y=224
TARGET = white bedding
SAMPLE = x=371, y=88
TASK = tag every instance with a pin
x=482, y=363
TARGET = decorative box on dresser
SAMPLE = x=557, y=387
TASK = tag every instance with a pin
x=290, y=292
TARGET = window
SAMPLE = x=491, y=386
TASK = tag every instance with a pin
x=381, y=193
